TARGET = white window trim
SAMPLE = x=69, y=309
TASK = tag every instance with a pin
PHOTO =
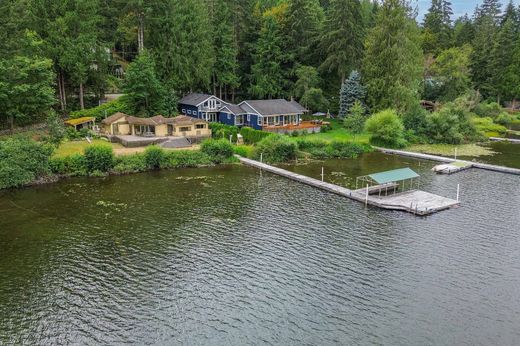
x=249, y=117
x=189, y=111
x=228, y=116
x=184, y=110
x=259, y=121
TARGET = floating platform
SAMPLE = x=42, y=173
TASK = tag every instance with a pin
x=452, y=167
x=414, y=201
x=500, y=139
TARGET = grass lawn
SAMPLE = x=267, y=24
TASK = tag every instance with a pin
x=449, y=149
x=339, y=133
x=77, y=147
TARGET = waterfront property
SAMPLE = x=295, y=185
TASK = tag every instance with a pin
x=277, y=115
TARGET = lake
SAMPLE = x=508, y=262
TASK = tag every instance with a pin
x=233, y=256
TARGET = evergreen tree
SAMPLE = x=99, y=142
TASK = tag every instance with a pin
x=342, y=38
x=491, y=8
x=303, y=26
x=146, y=93
x=308, y=77
x=393, y=59
x=351, y=91
x=437, y=27
x=181, y=43
x=451, y=70
x=510, y=13
x=226, y=51
x=503, y=60
x=463, y=31
x=268, y=78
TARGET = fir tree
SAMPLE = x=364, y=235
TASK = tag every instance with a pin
x=351, y=91
x=437, y=26
x=463, y=31
x=268, y=78
x=503, y=59
x=342, y=38
x=491, y=8
x=393, y=60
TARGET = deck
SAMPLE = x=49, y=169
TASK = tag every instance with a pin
x=308, y=126
x=415, y=202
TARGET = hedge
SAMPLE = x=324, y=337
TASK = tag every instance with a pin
x=252, y=136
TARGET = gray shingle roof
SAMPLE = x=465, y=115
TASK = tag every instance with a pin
x=273, y=107
x=298, y=106
x=236, y=109
x=194, y=99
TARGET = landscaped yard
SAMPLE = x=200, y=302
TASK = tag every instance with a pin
x=339, y=133
x=77, y=147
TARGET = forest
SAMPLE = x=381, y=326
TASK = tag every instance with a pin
x=352, y=58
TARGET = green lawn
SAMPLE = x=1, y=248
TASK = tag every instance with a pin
x=339, y=133
x=77, y=147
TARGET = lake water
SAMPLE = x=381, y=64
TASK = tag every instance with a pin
x=233, y=256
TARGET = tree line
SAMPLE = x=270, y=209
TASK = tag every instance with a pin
x=67, y=54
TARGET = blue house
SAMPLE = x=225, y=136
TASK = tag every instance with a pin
x=258, y=114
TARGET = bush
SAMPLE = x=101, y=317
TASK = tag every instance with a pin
x=99, y=158
x=218, y=150
x=275, y=148
x=243, y=150
x=486, y=126
x=219, y=131
x=154, y=157
x=186, y=158
x=488, y=109
x=355, y=119
x=252, y=136
x=386, y=129
x=55, y=129
x=22, y=161
x=505, y=119
x=106, y=109
x=73, y=165
x=130, y=164
x=72, y=134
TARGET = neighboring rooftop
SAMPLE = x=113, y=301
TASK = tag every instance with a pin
x=194, y=99
x=113, y=118
x=273, y=107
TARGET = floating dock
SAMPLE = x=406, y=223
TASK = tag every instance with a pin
x=485, y=166
x=500, y=139
x=414, y=201
x=453, y=167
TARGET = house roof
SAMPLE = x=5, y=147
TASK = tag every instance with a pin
x=159, y=120
x=186, y=120
x=272, y=107
x=194, y=99
x=235, y=109
x=113, y=118
x=79, y=121
x=298, y=106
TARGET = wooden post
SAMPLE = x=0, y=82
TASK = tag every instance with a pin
x=262, y=157
x=322, y=174
x=455, y=153
x=458, y=192
x=366, y=197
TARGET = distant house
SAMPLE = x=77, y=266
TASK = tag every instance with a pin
x=258, y=114
x=81, y=123
x=120, y=124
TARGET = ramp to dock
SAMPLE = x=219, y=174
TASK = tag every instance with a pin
x=415, y=202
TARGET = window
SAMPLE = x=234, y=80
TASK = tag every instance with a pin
x=259, y=121
x=228, y=116
x=249, y=117
x=200, y=126
x=189, y=111
x=185, y=129
x=184, y=111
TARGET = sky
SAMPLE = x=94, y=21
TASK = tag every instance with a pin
x=459, y=6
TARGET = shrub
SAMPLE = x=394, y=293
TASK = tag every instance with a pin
x=450, y=125
x=488, y=109
x=243, y=150
x=217, y=150
x=252, y=136
x=73, y=165
x=99, y=158
x=186, y=158
x=275, y=148
x=55, y=128
x=386, y=129
x=505, y=119
x=72, y=134
x=22, y=161
x=219, y=131
x=130, y=164
x=154, y=157
x=487, y=126
x=355, y=119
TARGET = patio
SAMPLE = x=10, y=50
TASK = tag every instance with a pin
x=312, y=126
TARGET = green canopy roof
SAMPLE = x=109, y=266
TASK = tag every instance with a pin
x=393, y=176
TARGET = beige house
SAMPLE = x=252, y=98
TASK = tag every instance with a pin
x=120, y=124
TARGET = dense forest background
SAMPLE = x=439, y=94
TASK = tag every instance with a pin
x=68, y=54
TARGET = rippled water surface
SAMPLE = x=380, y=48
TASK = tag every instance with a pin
x=232, y=256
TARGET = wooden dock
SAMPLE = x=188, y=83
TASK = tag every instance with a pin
x=414, y=201
x=485, y=166
x=500, y=139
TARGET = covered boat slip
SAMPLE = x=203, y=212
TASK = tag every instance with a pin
x=388, y=181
